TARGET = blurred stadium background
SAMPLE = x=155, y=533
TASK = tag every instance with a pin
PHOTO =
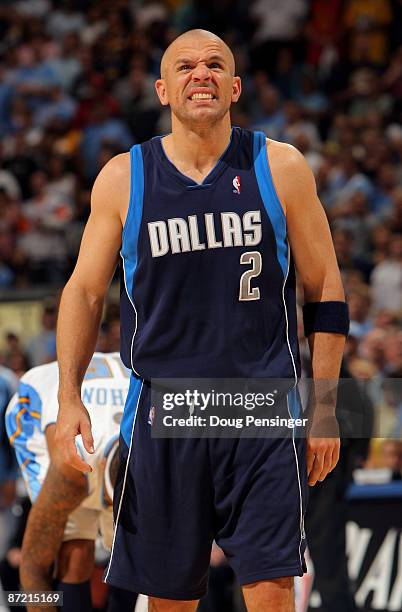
x=77, y=87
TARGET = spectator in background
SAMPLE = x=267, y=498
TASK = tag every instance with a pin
x=67, y=64
x=62, y=183
x=42, y=348
x=8, y=463
x=391, y=457
x=380, y=239
x=278, y=24
x=353, y=215
x=393, y=355
x=102, y=128
x=359, y=310
x=136, y=96
x=372, y=348
x=46, y=217
x=343, y=243
x=65, y=19
x=271, y=118
x=324, y=33
x=59, y=105
x=386, y=278
x=367, y=22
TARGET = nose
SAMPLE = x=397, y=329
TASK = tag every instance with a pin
x=201, y=72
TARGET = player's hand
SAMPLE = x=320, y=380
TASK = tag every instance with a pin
x=322, y=457
x=73, y=419
x=323, y=447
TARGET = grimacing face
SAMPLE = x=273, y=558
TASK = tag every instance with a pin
x=197, y=80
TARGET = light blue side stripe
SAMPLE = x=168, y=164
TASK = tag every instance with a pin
x=269, y=196
x=130, y=409
x=28, y=424
x=132, y=225
x=294, y=403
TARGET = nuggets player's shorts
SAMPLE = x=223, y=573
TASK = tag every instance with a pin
x=175, y=496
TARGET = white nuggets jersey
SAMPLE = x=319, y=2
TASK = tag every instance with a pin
x=35, y=406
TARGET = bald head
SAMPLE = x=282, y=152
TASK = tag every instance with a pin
x=194, y=39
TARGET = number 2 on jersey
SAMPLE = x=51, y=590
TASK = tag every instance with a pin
x=247, y=292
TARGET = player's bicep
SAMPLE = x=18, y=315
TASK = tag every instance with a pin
x=311, y=243
x=99, y=252
x=308, y=232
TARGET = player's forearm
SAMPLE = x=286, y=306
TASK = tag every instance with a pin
x=77, y=331
x=326, y=352
x=326, y=349
x=35, y=578
x=42, y=539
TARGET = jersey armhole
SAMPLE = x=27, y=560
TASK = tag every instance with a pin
x=270, y=198
x=134, y=212
x=264, y=174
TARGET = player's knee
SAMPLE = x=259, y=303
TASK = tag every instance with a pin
x=75, y=561
x=273, y=583
x=171, y=605
x=273, y=590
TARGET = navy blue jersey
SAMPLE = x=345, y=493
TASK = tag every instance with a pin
x=208, y=283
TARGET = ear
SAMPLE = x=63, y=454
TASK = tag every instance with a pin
x=236, y=88
x=161, y=91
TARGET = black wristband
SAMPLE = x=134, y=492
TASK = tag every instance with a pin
x=331, y=317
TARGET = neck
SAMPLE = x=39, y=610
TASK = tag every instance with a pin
x=197, y=146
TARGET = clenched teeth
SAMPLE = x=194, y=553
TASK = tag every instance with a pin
x=202, y=96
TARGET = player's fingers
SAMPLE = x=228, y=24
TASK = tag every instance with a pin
x=72, y=457
x=317, y=467
x=327, y=463
x=335, y=455
x=86, y=434
x=310, y=460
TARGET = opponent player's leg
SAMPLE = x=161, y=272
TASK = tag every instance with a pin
x=170, y=605
x=75, y=561
x=75, y=565
x=275, y=595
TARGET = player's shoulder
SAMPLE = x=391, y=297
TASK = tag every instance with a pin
x=113, y=181
x=40, y=376
x=106, y=367
x=117, y=168
x=291, y=174
x=286, y=155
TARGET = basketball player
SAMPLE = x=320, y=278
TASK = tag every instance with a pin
x=68, y=509
x=208, y=220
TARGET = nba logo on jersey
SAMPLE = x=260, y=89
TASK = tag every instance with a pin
x=151, y=416
x=236, y=185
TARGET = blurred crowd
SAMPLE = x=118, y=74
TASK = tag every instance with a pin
x=77, y=87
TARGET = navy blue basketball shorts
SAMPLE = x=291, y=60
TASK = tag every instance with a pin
x=173, y=497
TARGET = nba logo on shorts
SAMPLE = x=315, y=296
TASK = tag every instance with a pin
x=236, y=185
x=151, y=416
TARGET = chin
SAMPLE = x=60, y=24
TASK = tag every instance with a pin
x=203, y=115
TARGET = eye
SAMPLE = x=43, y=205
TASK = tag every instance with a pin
x=185, y=67
x=214, y=65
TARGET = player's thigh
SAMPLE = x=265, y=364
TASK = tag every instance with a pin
x=276, y=595
x=75, y=561
x=171, y=605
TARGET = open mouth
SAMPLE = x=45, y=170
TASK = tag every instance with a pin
x=202, y=96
